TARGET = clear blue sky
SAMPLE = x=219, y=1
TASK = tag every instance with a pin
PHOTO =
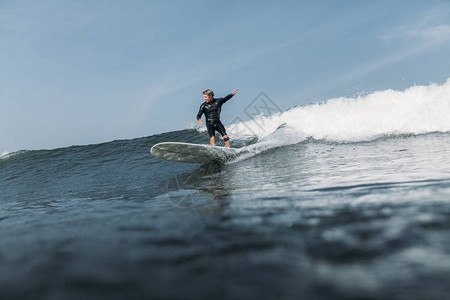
x=82, y=71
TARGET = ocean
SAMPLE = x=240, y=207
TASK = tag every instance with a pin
x=345, y=199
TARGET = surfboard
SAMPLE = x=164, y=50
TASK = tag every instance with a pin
x=192, y=153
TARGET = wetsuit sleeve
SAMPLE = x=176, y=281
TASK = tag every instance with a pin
x=200, y=111
x=226, y=98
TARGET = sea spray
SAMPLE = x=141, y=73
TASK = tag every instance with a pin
x=416, y=110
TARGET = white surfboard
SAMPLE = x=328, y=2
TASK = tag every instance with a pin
x=192, y=153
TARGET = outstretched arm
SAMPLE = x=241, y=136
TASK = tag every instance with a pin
x=228, y=97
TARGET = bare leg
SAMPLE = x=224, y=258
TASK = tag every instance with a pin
x=211, y=141
x=227, y=143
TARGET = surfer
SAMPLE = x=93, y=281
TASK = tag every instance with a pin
x=211, y=108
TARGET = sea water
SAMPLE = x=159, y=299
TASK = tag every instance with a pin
x=344, y=199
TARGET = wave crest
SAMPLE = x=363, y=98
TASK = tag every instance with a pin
x=416, y=110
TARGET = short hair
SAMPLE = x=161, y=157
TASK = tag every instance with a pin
x=208, y=92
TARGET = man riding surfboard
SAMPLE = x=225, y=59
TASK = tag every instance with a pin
x=211, y=108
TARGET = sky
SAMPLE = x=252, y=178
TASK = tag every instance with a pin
x=82, y=72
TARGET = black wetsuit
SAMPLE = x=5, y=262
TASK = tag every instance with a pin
x=212, y=115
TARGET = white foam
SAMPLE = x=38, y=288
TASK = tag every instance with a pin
x=416, y=110
x=6, y=154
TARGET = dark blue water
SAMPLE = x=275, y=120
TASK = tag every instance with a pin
x=312, y=220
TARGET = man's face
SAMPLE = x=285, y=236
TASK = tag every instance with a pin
x=208, y=98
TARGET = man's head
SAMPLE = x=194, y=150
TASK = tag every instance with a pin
x=208, y=95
